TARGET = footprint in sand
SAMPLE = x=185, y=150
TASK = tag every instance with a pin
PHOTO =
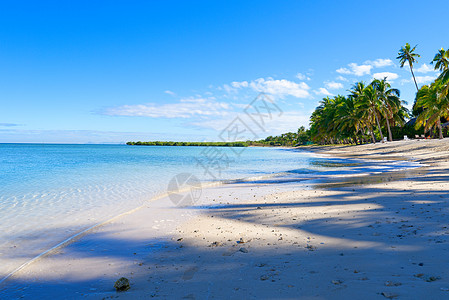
x=189, y=273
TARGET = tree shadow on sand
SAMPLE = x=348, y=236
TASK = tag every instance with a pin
x=344, y=246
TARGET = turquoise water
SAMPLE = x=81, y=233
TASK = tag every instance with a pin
x=50, y=192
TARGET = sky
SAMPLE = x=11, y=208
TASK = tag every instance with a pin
x=117, y=71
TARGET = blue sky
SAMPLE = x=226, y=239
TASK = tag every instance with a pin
x=114, y=71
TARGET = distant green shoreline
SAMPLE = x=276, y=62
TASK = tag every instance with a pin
x=193, y=144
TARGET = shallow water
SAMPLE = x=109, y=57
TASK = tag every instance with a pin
x=50, y=192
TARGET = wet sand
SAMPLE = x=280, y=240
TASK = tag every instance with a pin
x=372, y=237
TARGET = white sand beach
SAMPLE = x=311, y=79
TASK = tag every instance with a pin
x=373, y=237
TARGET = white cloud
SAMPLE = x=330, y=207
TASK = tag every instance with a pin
x=289, y=121
x=237, y=85
x=421, y=79
x=360, y=70
x=185, y=108
x=425, y=79
x=424, y=69
x=341, y=78
x=323, y=91
x=8, y=125
x=344, y=71
x=390, y=76
x=301, y=76
x=229, y=89
x=170, y=92
x=333, y=85
x=380, y=62
x=280, y=88
x=355, y=69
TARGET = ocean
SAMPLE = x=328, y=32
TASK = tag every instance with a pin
x=50, y=192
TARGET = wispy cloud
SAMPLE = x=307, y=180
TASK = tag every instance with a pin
x=237, y=85
x=421, y=79
x=185, y=108
x=355, y=69
x=323, y=92
x=279, y=88
x=333, y=85
x=380, y=62
x=341, y=78
x=425, y=79
x=389, y=75
x=289, y=121
x=8, y=124
x=90, y=136
x=170, y=93
x=365, y=68
x=302, y=76
x=425, y=69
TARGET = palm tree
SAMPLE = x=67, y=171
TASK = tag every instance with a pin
x=368, y=104
x=406, y=54
x=321, y=119
x=348, y=117
x=435, y=104
x=441, y=60
x=391, y=103
x=343, y=119
x=374, y=106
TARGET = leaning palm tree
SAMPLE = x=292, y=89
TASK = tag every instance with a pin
x=441, y=60
x=406, y=54
x=374, y=106
x=391, y=102
x=435, y=104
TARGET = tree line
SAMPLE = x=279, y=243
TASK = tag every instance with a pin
x=371, y=110
x=301, y=137
x=194, y=144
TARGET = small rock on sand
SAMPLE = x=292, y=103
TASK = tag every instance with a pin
x=264, y=277
x=391, y=283
x=427, y=278
x=215, y=244
x=389, y=295
x=122, y=284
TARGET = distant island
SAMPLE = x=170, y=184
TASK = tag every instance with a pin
x=289, y=139
x=214, y=144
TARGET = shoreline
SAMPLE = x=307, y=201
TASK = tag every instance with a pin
x=263, y=219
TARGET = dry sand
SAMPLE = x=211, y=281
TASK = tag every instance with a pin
x=375, y=237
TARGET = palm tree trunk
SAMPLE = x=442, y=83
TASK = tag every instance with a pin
x=380, y=130
x=390, y=136
x=414, y=79
x=440, y=130
x=372, y=134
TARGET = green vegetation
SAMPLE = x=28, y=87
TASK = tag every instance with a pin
x=196, y=144
x=360, y=116
x=286, y=139
x=433, y=100
x=372, y=110
x=406, y=54
x=289, y=139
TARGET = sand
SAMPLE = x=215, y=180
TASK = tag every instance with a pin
x=373, y=237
